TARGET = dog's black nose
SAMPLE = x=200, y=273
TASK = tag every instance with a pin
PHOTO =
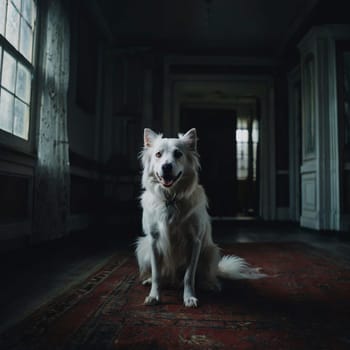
x=167, y=168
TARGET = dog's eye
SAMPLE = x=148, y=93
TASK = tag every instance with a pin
x=158, y=154
x=177, y=154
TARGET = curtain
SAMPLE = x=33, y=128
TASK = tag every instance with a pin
x=52, y=177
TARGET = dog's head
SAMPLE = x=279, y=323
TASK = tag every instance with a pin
x=168, y=161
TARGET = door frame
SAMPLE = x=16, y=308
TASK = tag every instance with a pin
x=260, y=87
x=294, y=111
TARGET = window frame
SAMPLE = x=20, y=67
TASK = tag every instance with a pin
x=7, y=139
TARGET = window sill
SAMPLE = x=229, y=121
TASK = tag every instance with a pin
x=12, y=159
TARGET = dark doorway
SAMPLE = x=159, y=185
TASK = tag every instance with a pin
x=228, y=148
x=216, y=147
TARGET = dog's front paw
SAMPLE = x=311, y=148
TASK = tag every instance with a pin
x=151, y=300
x=190, y=301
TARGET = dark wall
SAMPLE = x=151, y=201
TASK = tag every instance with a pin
x=15, y=195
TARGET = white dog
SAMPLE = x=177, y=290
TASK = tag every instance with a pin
x=178, y=243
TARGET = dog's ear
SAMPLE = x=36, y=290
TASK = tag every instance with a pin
x=190, y=138
x=148, y=137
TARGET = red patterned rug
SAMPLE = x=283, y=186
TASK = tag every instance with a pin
x=305, y=305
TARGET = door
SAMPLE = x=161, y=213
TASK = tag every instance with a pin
x=217, y=150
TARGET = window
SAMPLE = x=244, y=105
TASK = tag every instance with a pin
x=247, y=138
x=17, y=30
x=242, y=149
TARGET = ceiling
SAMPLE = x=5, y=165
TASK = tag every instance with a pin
x=256, y=27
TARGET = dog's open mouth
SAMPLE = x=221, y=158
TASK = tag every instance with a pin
x=168, y=180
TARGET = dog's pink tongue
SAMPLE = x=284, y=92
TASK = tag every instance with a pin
x=167, y=182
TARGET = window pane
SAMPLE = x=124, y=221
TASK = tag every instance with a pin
x=23, y=83
x=242, y=160
x=8, y=79
x=21, y=123
x=255, y=156
x=6, y=111
x=2, y=16
x=26, y=41
x=242, y=148
x=17, y=3
x=255, y=139
x=255, y=131
x=12, y=25
x=27, y=11
x=242, y=135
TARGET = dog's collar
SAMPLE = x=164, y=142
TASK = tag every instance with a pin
x=170, y=199
x=171, y=206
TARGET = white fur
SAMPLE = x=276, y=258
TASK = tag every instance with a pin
x=177, y=244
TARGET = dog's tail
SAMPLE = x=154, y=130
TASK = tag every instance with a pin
x=234, y=267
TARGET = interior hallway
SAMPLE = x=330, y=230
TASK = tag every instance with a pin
x=32, y=277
